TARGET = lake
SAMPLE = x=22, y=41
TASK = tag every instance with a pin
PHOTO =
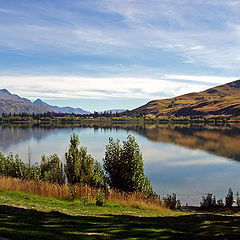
x=189, y=161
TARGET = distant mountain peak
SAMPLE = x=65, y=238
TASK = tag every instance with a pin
x=4, y=90
x=69, y=110
x=38, y=101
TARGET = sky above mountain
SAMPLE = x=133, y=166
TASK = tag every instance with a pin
x=102, y=54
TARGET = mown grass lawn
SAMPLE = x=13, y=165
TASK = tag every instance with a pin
x=26, y=216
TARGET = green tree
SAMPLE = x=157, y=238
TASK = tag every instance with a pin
x=81, y=167
x=52, y=169
x=229, y=198
x=124, y=167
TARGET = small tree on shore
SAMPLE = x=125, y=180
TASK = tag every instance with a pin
x=51, y=169
x=124, y=167
x=81, y=167
x=229, y=198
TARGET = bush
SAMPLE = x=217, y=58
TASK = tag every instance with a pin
x=52, y=169
x=13, y=166
x=208, y=202
x=229, y=198
x=124, y=167
x=81, y=168
x=172, y=202
x=100, y=199
x=79, y=165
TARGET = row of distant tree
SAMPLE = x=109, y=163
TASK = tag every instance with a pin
x=53, y=114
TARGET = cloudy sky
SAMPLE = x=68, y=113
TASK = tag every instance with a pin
x=103, y=54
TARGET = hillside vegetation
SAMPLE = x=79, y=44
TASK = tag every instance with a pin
x=221, y=101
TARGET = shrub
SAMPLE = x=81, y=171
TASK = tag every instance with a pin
x=229, y=198
x=171, y=202
x=124, y=167
x=13, y=166
x=208, y=202
x=211, y=202
x=238, y=200
x=99, y=178
x=81, y=168
x=79, y=165
x=52, y=169
x=100, y=199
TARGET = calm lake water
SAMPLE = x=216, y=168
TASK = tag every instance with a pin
x=188, y=161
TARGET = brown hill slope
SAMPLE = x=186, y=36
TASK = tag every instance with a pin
x=220, y=101
x=12, y=103
x=16, y=106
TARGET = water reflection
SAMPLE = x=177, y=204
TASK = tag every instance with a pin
x=222, y=141
x=190, y=161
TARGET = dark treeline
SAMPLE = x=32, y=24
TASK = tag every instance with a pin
x=107, y=117
x=37, y=116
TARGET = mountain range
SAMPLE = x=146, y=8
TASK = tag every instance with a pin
x=68, y=110
x=220, y=101
x=12, y=103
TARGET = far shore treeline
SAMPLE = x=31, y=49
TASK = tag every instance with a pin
x=107, y=117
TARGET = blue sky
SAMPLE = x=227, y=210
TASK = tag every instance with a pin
x=103, y=54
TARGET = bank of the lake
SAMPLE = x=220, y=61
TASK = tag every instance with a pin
x=108, y=118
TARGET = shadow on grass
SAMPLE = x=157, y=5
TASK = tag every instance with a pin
x=19, y=223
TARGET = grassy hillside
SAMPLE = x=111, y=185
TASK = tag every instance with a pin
x=221, y=101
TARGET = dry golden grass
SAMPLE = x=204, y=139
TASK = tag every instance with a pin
x=219, y=102
x=67, y=192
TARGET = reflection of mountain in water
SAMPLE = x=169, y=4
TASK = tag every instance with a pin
x=12, y=135
x=221, y=141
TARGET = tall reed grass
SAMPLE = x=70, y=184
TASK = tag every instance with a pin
x=80, y=192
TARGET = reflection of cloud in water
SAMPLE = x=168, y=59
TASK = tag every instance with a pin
x=171, y=155
x=191, y=182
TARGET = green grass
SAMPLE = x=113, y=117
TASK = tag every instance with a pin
x=26, y=216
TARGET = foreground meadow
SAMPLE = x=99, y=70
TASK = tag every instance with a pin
x=27, y=216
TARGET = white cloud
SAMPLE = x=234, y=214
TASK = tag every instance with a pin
x=77, y=87
x=196, y=47
x=207, y=79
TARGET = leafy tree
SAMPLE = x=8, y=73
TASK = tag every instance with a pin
x=52, y=169
x=81, y=167
x=229, y=198
x=124, y=166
